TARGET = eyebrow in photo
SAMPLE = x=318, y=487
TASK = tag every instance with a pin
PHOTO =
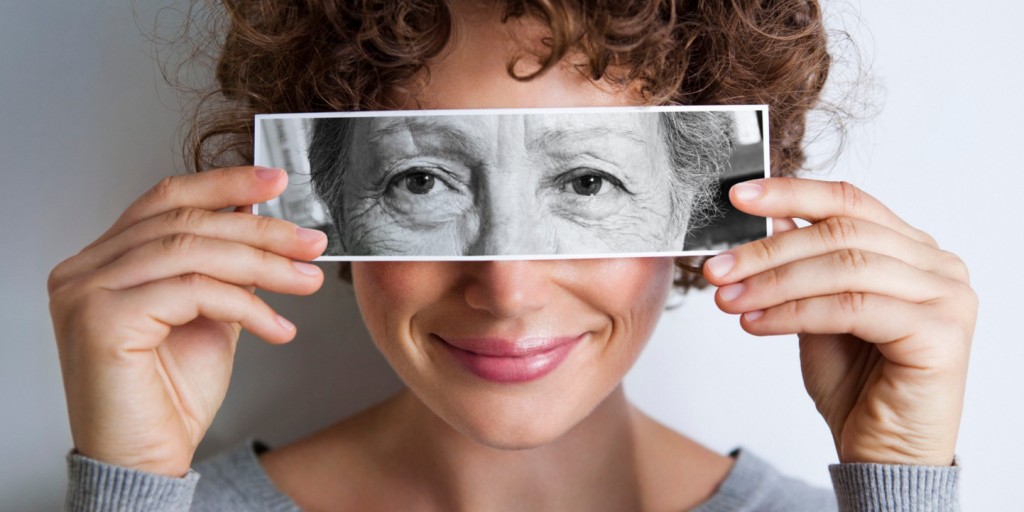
x=518, y=183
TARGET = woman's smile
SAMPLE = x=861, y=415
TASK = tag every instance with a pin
x=508, y=360
x=512, y=353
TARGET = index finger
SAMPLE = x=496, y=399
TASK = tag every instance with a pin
x=815, y=201
x=209, y=190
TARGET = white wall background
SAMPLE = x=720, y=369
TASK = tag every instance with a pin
x=87, y=125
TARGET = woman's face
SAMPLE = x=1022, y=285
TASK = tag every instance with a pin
x=510, y=185
x=512, y=354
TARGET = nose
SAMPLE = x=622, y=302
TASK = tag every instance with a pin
x=512, y=223
x=509, y=289
x=519, y=235
x=512, y=219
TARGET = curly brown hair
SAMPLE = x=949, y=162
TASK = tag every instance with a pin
x=341, y=55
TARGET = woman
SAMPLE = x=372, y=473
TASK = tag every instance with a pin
x=514, y=368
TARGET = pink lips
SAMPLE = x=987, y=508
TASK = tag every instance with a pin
x=510, y=361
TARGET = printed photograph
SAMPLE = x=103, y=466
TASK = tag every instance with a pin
x=522, y=183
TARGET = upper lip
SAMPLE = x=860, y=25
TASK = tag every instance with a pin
x=509, y=347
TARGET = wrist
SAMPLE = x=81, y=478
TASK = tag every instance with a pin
x=903, y=456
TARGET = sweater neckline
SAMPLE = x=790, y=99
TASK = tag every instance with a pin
x=240, y=468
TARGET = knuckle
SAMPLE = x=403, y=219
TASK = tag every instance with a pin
x=772, y=278
x=967, y=298
x=853, y=260
x=956, y=266
x=264, y=225
x=57, y=276
x=766, y=249
x=68, y=295
x=164, y=189
x=265, y=257
x=837, y=232
x=852, y=302
x=846, y=197
x=267, y=260
x=186, y=219
x=194, y=280
x=800, y=308
x=926, y=238
x=181, y=243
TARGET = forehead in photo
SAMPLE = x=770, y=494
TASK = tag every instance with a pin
x=487, y=183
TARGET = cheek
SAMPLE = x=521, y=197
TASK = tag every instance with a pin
x=389, y=294
x=631, y=294
x=386, y=283
x=636, y=299
x=627, y=288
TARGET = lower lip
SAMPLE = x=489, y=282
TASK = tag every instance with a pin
x=513, y=369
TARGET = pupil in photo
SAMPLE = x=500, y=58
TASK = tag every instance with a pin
x=587, y=185
x=419, y=183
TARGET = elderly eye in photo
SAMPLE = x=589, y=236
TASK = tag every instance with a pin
x=416, y=181
x=518, y=184
x=590, y=182
x=420, y=184
x=418, y=197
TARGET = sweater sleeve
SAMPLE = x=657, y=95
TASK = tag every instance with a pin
x=97, y=486
x=896, y=488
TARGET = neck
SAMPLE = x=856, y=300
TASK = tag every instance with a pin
x=400, y=455
x=593, y=466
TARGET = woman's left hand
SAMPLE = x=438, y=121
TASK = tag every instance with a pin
x=885, y=318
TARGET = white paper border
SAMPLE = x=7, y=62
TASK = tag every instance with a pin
x=257, y=156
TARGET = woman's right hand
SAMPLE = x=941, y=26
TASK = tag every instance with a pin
x=147, y=317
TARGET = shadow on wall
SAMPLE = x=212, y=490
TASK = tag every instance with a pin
x=329, y=372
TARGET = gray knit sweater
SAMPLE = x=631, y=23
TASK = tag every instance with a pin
x=236, y=481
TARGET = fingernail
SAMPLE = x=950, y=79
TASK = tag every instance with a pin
x=306, y=268
x=309, y=235
x=721, y=265
x=747, y=191
x=267, y=173
x=731, y=291
x=750, y=316
x=285, y=324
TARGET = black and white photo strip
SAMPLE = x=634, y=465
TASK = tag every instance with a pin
x=518, y=183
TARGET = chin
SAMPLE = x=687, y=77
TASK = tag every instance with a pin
x=513, y=433
x=516, y=420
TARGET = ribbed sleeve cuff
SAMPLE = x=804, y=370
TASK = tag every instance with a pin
x=896, y=488
x=97, y=486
